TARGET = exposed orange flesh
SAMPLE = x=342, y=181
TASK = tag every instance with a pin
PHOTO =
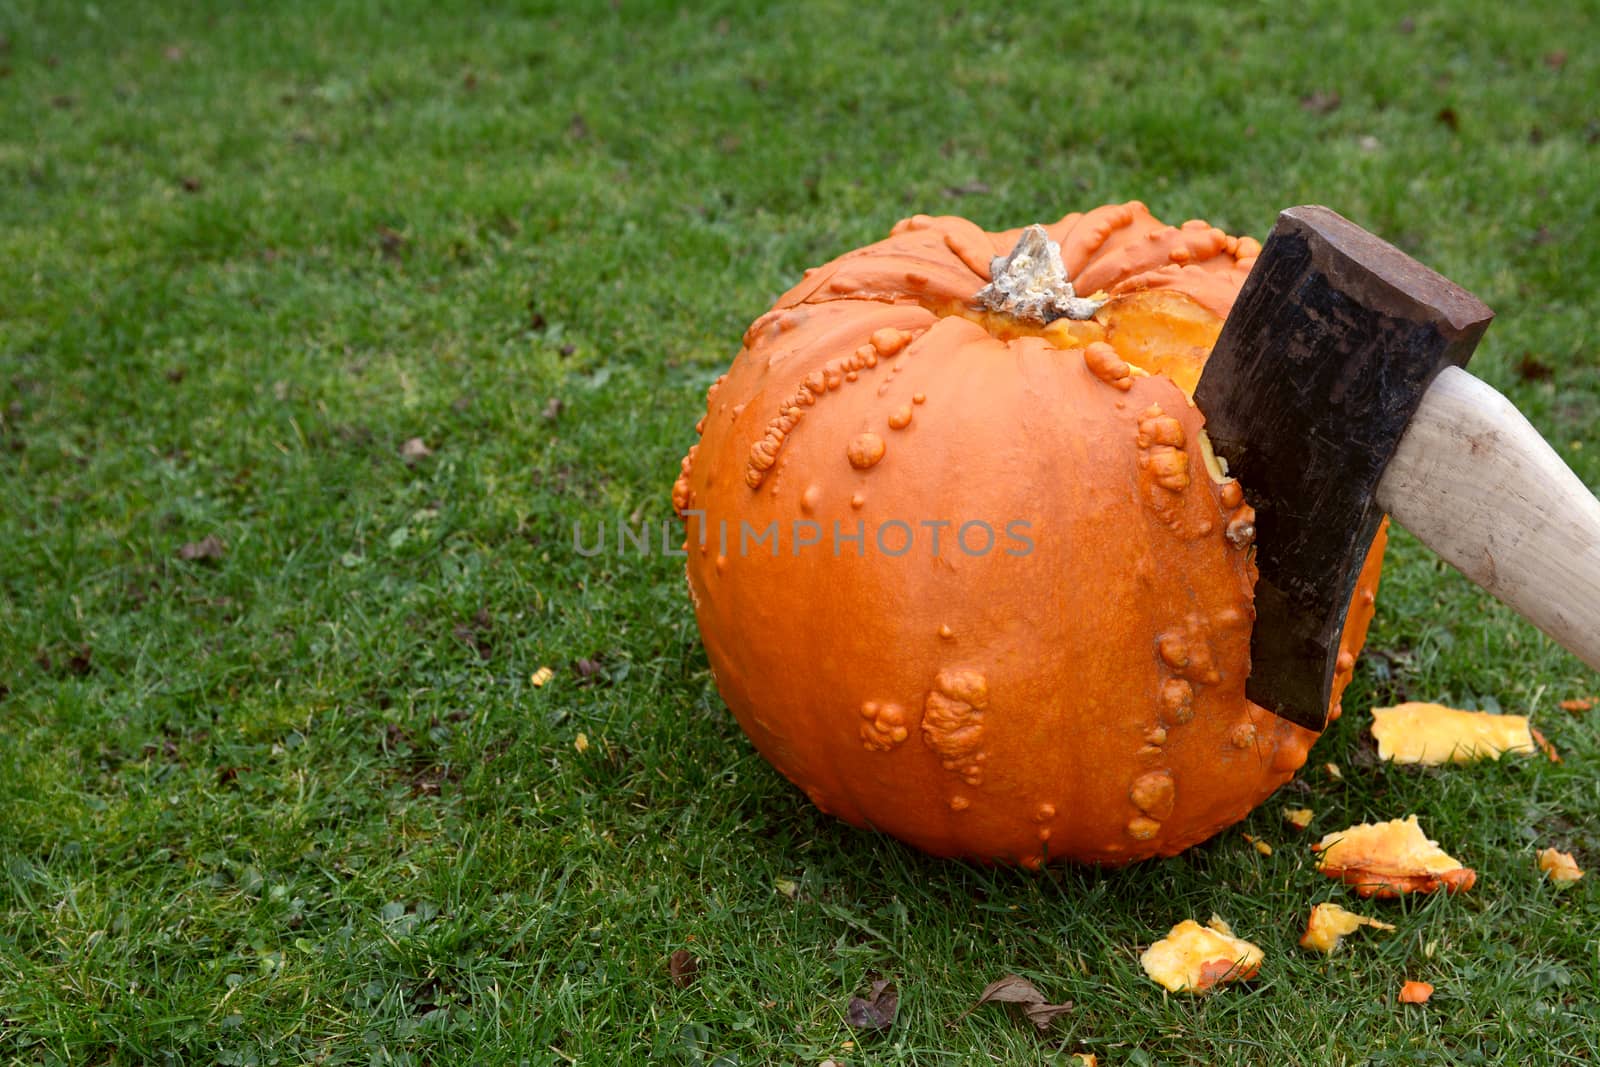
x=1330, y=924
x=1196, y=959
x=1559, y=866
x=1432, y=734
x=1389, y=859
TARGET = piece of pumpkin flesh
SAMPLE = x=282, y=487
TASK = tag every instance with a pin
x=1432, y=734
x=1389, y=859
x=1559, y=866
x=1196, y=959
x=1330, y=924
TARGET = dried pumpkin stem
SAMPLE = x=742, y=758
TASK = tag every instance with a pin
x=1031, y=284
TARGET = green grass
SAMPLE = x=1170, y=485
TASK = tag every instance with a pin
x=302, y=803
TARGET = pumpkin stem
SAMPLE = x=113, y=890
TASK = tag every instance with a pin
x=1031, y=283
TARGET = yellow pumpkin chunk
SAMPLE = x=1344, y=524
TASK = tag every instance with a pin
x=1299, y=818
x=1196, y=959
x=1388, y=859
x=1330, y=924
x=1559, y=866
x=1259, y=845
x=1432, y=734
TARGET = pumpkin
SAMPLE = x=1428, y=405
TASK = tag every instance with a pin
x=964, y=566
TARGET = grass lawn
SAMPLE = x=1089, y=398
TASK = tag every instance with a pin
x=276, y=784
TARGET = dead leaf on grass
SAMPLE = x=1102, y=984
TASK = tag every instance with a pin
x=210, y=547
x=591, y=670
x=415, y=448
x=972, y=188
x=1014, y=989
x=875, y=1012
x=683, y=968
x=431, y=780
x=477, y=634
x=1578, y=705
x=1532, y=369
x=1321, y=103
x=391, y=242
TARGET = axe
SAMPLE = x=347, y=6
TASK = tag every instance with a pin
x=1336, y=393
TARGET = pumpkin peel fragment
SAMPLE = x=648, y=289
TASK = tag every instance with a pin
x=1559, y=866
x=1196, y=959
x=1330, y=924
x=1390, y=859
x=1544, y=745
x=1299, y=818
x=1432, y=734
x=1415, y=993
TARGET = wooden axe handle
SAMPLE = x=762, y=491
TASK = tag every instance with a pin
x=1478, y=485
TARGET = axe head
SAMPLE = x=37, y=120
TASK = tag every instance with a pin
x=1326, y=355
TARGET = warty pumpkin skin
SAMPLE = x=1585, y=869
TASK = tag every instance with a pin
x=1077, y=690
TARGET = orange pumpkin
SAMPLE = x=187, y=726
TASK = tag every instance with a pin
x=975, y=580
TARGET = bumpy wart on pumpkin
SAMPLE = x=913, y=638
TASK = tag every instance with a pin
x=1080, y=699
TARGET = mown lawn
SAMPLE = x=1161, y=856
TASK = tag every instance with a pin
x=291, y=795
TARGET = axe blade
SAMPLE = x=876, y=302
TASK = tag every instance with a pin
x=1328, y=351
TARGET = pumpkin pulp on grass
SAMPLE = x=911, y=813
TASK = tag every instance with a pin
x=972, y=577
